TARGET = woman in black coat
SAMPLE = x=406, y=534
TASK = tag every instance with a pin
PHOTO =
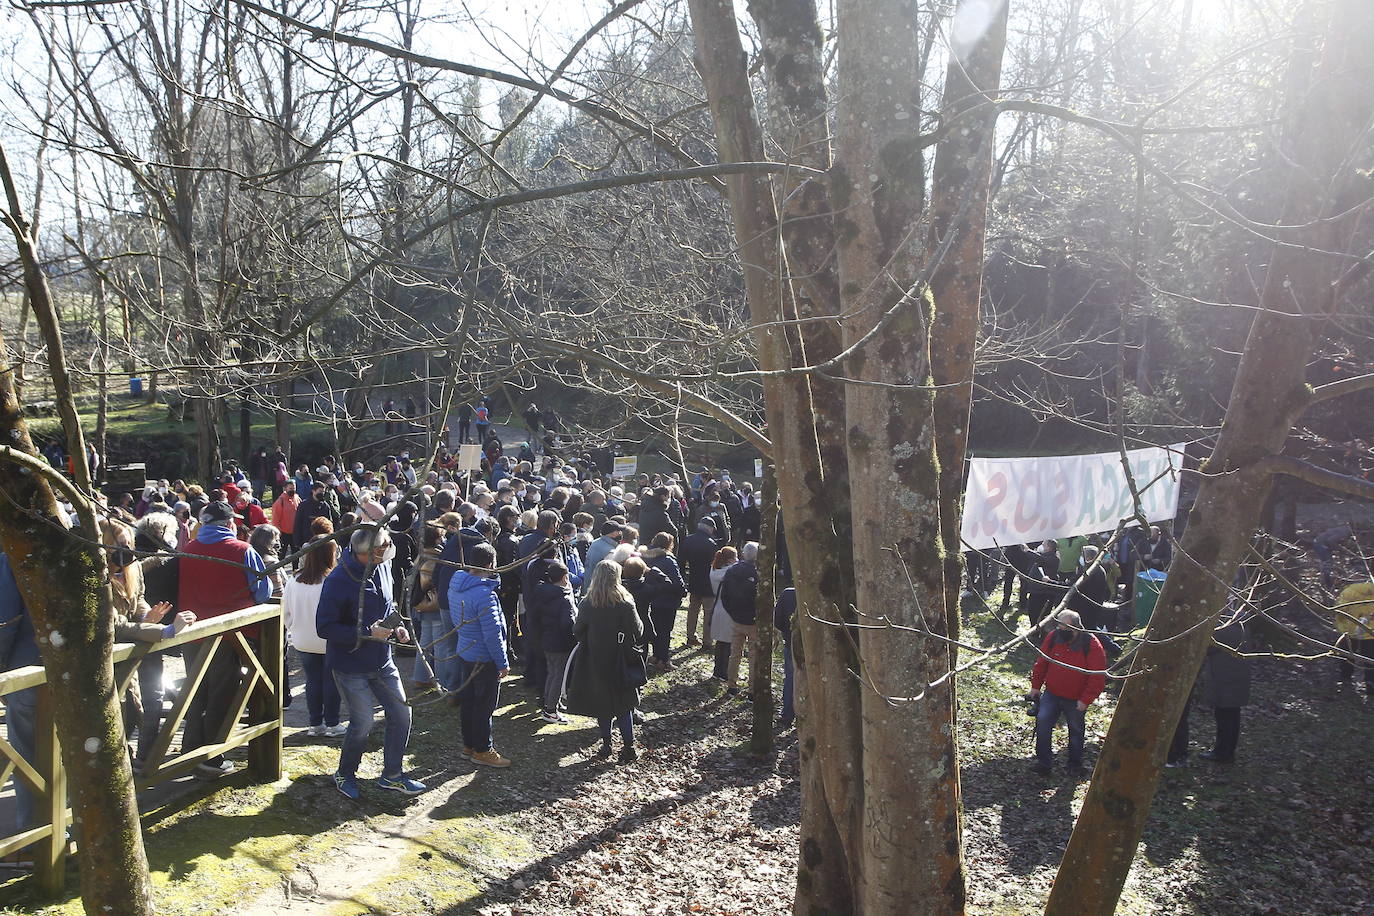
x=647, y=586
x=606, y=623
x=663, y=607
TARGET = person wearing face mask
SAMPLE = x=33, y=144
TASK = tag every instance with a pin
x=354, y=619
x=316, y=506
x=1071, y=671
x=712, y=508
x=612, y=533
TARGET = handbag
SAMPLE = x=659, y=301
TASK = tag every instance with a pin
x=633, y=672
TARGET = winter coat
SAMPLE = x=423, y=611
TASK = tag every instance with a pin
x=784, y=612
x=600, y=549
x=1066, y=682
x=1355, y=611
x=696, y=554
x=1088, y=599
x=339, y=620
x=718, y=515
x=739, y=590
x=557, y=612
x=307, y=511
x=650, y=589
x=722, y=626
x=131, y=607
x=475, y=610
x=507, y=544
x=1225, y=673
x=594, y=687
x=664, y=562
x=1158, y=554
x=284, y=513
x=653, y=519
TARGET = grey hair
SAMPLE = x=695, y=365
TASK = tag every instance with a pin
x=365, y=540
x=159, y=527
x=749, y=552
x=1090, y=552
x=261, y=538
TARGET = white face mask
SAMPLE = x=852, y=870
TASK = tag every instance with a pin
x=714, y=504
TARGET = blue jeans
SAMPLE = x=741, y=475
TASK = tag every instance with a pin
x=446, y=660
x=480, y=694
x=427, y=640
x=359, y=691
x=789, y=713
x=21, y=722
x=321, y=692
x=1051, y=708
x=625, y=722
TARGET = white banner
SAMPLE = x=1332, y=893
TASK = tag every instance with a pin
x=625, y=466
x=1026, y=500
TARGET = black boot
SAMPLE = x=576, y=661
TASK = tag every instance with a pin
x=605, y=749
x=628, y=754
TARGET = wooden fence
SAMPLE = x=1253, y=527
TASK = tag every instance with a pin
x=259, y=696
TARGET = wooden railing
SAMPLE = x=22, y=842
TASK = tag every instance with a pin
x=259, y=695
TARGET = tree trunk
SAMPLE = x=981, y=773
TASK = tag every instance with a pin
x=959, y=206
x=62, y=582
x=761, y=679
x=283, y=418
x=1329, y=111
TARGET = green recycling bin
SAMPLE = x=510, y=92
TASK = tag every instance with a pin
x=1148, y=585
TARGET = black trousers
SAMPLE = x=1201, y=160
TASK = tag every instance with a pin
x=722, y=660
x=1178, y=750
x=1228, y=732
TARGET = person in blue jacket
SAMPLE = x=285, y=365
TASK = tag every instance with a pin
x=351, y=618
x=475, y=612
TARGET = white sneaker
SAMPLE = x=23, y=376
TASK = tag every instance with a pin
x=210, y=769
x=335, y=731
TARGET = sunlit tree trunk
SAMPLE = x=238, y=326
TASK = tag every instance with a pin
x=62, y=582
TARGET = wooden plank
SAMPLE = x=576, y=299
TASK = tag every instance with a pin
x=50, y=853
x=184, y=763
x=33, y=675
x=26, y=770
x=265, y=752
x=195, y=674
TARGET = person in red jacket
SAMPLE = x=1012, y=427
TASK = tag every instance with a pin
x=1070, y=669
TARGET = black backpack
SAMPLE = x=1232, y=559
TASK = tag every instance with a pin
x=739, y=588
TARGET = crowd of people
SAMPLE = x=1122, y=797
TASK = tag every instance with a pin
x=542, y=564
x=545, y=565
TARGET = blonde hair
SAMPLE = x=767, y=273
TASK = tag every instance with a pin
x=605, y=589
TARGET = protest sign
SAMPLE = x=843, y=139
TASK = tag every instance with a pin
x=469, y=457
x=758, y=468
x=624, y=466
x=1026, y=500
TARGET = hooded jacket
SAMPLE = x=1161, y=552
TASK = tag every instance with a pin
x=475, y=610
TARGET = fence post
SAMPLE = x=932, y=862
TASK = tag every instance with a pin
x=264, y=751
x=50, y=854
